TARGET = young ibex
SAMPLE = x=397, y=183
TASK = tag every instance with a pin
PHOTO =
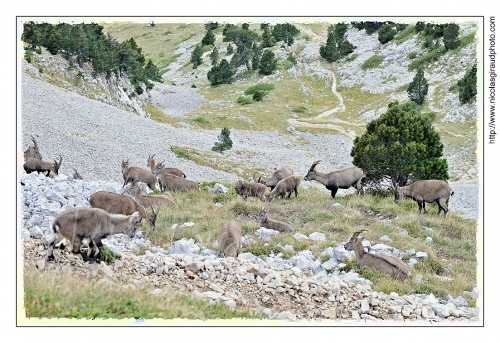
x=40, y=166
x=275, y=177
x=131, y=174
x=387, y=264
x=78, y=223
x=152, y=200
x=247, y=189
x=169, y=182
x=173, y=171
x=286, y=186
x=426, y=191
x=32, y=151
x=344, y=179
x=264, y=221
x=76, y=175
x=230, y=239
x=121, y=204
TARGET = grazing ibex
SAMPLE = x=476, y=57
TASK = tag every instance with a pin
x=121, y=204
x=264, y=221
x=131, y=174
x=40, y=166
x=275, y=177
x=32, y=151
x=288, y=185
x=173, y=171
x=76, y=175
x=230, y=239
x=344, y=179
x=78, y=223
x=247, y=189
x=169, y=182
x=152, y=200
x=426, y=191
x=387, y=264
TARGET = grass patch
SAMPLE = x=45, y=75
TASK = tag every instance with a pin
x=428, y=58
x=372, y=62
x=243, y=100
x=299, y=109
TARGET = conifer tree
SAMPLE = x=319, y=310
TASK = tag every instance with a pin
x=214, y=56
x=268, y=63
x=467, y=86
x=418, y=88
x=209, y=38
x=224, y=141
x=196, y=56
x=450, y=36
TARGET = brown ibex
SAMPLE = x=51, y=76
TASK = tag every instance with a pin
x=152, y=200
x=286, y=186
x=426, y=191
x=41, y=166
x=264, y=221
x=275, y=177
x=76, y=175
x=78, y=223
x=131, y=174
x=173, y=171
x=247, y=189
x=32, y=151
x=121, y=204
x=230, y=239
x=343, y=179
x=172, y=183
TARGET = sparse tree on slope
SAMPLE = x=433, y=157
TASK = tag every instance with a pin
x=418, y=88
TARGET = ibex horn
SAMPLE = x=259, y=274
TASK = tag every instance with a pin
x=356, y=234
x=314, y=165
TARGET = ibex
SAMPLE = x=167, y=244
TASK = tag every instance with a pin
x=343, y=179
x=230, y=239
x=41, y=166
x=286, y=186
x=275, y=177
x=264, y=221
x=247, y=189
x=131, y=174
x=76, y=175
x=426, y=191
x=78, y=223
x=387, y=264
x=152, y=200
x=121, y=204
x=32, y=151
x=169, y=182
x=173, y=171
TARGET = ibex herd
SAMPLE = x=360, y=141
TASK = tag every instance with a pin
x=112, y=213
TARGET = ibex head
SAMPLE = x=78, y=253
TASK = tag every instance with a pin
x=311, y=173
x=32, y=151
x=57, y=165
x=352, y=242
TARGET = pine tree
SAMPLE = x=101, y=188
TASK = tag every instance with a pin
x=268, y=63
x=224, y=142
x=214, y=56
x=267, y=38
x=209, y=38
x=418, y=88
x=400, y=146
x=386, y=33
x=467, y=86
x=450, y=36
x=221, y=73
x=196, y=56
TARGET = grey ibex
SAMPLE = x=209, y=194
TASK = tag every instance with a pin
x=78, y=223
x=41, y=166
x=387, y=264
x=264, y=221
x=426, y=191
x=152, y=200
x=173, y=171
x=32, y=151
x=247, y=189
x=343, y=179
x=131, y=174
x=285, y=187
x=172, y=183
x=275, y=177
x=230, y=239
x=121, y=204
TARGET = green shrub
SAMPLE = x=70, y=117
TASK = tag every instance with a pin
x=412, y=55
x=107, y=255
x=259, y=95
x=27, y=55
x=372, y=62
x=200, y=120
x=267, y=87
x=243, y=100
x=299, y=109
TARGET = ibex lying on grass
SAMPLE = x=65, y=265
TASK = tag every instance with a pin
x=78, y=223
x=32, y=151
x=152, y=200
x=121, y=204
x=173, y=171
x=230, y=239
x=426, y=191
x=275, y=177
x=344, y=179
x=264, y=221
x=247, y=189
x=288, y=185
x=41, y=166
x=131, y=174
x=387, y=264
x=169, y=182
